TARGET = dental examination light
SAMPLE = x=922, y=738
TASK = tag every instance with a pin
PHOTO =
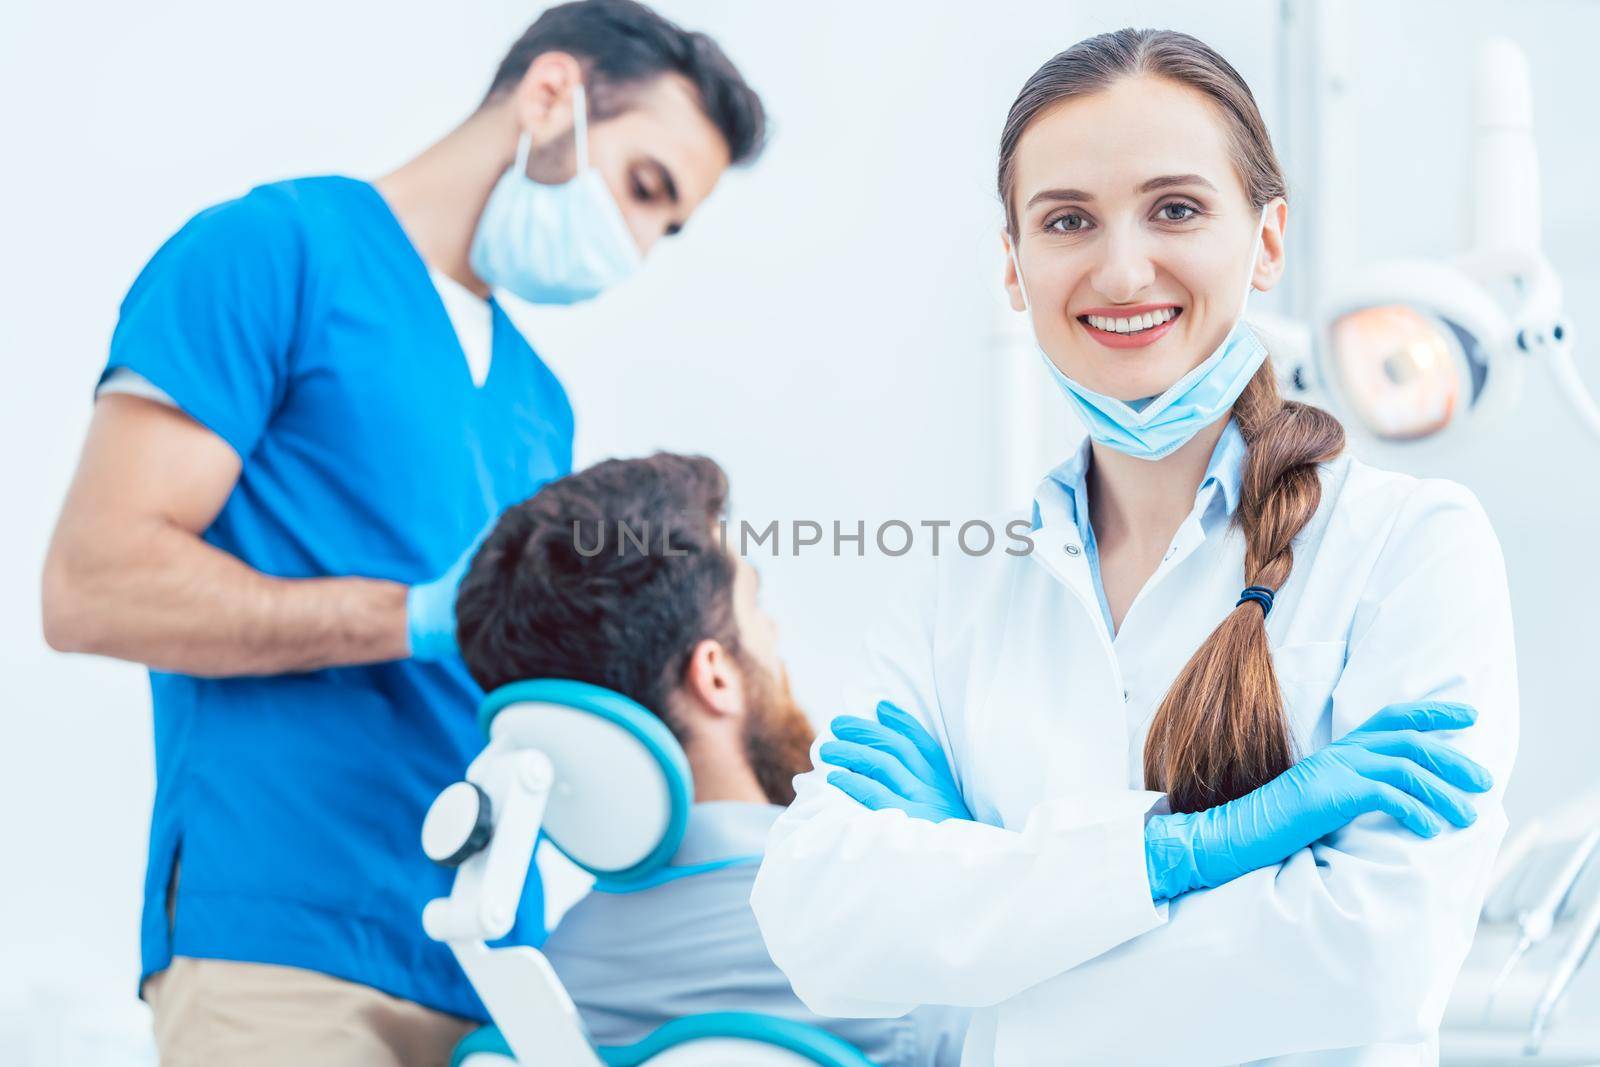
x=1420, y=350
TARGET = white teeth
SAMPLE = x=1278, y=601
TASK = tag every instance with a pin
x=1133, y=323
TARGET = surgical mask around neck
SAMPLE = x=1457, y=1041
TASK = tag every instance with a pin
x=554, y=244
x=1154, y=428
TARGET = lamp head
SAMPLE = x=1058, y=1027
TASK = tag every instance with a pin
x=1415, y=350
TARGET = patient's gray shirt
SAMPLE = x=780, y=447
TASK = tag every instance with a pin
x=634, y=961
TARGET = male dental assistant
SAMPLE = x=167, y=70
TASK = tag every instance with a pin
x=311, y=409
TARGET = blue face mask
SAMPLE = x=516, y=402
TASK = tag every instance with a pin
x=554, y=244
x=1154, y=428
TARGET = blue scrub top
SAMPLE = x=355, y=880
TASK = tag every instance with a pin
x=300, y=325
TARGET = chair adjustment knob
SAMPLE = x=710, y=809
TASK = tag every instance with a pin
x=459, y=823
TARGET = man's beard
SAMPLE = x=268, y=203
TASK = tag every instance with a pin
x=777, y=736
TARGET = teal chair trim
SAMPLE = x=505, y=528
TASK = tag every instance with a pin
x=632, y=717
x=486, y=1039
x=672, y=874
x=819, y=1046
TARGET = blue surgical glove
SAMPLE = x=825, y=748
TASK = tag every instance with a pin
x=431, y=606
x=893, y=763
x=1389, y=764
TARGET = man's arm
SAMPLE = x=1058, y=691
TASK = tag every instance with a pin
x=129, y=576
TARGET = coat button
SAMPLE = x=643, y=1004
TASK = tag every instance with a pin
x=1073, y=550
x=1124, y=696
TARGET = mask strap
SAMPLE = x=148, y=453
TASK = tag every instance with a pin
x=580, y=135
x=580, y=126
x=1255, y=258
x=524, y=144
x=1016, y=265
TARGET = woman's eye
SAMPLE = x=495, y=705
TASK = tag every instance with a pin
x=641, y=191
x=1071, y=222
x=1177, y=212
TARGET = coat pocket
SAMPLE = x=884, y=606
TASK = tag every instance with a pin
x=1307, y=673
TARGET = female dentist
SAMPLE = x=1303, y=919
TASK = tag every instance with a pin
x=1200, y=829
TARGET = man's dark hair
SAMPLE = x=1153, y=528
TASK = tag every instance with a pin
x=609, y=576
x=623, y=45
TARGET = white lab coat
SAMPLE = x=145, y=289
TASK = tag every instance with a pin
x=1344, y=954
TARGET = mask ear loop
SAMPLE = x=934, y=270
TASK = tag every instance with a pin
x=580, y=136
x=524, y=145
x=580, y=126
x=1016, y=265
x=1255, y=259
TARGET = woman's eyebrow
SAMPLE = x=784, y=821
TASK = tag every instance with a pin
x=1058, y=194
x=1168, y=180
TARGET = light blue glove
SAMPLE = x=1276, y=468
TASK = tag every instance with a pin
x=1389, y=764
x=893, y=763
x=431, y=606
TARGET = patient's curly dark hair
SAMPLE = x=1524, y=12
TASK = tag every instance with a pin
x=557, y=592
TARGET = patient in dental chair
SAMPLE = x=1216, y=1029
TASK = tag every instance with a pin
x=618, y=576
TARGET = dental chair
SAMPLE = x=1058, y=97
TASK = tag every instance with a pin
x=606, y=782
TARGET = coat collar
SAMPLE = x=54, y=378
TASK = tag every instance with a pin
x=1068, y=484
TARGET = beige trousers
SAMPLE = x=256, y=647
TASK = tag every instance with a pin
x=218, y=1013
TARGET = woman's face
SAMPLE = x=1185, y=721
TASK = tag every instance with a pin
x=1128, y=204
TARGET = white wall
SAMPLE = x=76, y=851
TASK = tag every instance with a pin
x=820, y=329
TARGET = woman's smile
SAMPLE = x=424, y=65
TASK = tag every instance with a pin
x=1129, y=327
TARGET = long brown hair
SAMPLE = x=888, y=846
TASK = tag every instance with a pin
x=1221, y=731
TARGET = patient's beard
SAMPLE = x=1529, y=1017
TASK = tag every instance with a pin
x=778, y=736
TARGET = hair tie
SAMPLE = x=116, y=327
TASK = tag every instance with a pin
x=1260, y=594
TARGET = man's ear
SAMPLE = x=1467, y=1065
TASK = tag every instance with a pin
x=542, y=100
x=713, y=681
